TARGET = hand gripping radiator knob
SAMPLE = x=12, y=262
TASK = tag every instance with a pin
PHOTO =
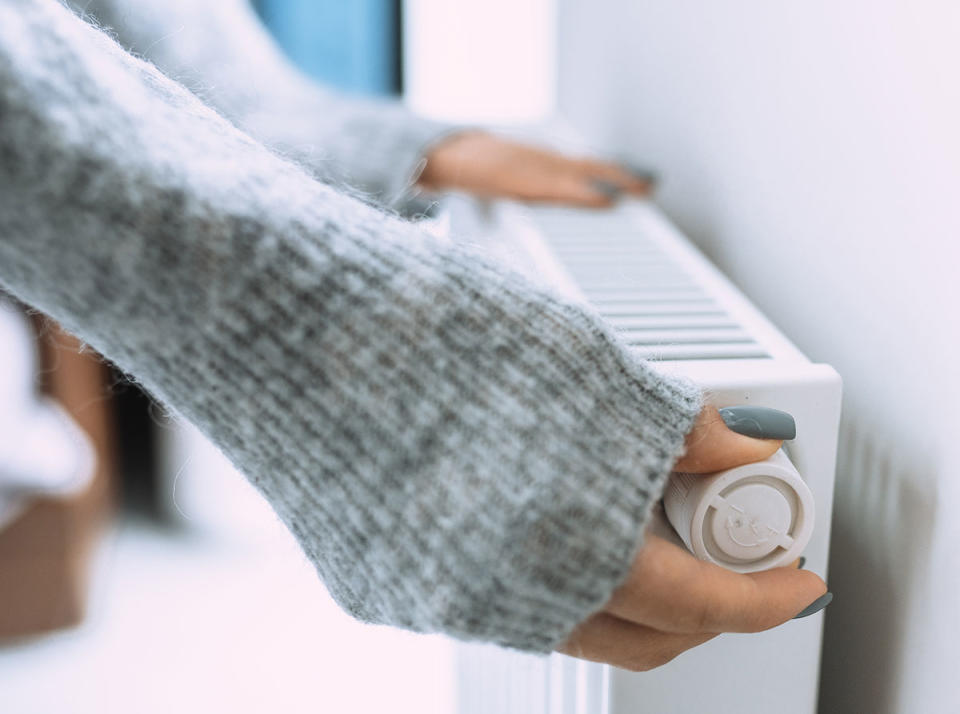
x=747, y=518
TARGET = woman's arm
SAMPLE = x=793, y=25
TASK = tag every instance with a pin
x=454, y=450
x=222, y=52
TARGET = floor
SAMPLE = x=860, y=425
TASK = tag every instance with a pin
x=219, y=614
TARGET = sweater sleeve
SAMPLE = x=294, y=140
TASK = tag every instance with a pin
x=455, y=450
x=222, y=52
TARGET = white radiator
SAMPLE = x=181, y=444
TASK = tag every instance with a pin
x=675, y=308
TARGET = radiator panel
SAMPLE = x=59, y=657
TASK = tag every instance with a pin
x=672, y=307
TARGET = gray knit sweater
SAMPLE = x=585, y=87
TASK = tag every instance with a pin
x=454, y=449
x=222, y=53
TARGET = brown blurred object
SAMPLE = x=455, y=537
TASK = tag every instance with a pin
x=46, y=553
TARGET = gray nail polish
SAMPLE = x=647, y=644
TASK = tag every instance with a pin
x=642, y=174
x=760, y=422
x=816, y=606
x=607, y=188
x=803, y=561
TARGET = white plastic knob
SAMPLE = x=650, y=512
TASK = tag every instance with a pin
x=748, y=518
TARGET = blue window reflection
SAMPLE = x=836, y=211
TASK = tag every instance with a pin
x=351, y=44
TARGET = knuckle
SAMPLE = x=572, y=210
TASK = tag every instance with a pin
x=703, y=615
x=694, y=618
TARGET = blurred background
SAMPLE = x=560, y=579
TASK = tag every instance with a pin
x=355, y=46
x=810, y=149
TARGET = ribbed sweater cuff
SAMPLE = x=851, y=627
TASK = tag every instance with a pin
x=390, y=153
x=485, y=471
x=377, y=148
x=587, y=524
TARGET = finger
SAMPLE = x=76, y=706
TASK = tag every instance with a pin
x=549, y=177
x=614, y=173
x=545, y=189
x=608, y=639
x=670, y=590
x=569, y=188
x=711, y=446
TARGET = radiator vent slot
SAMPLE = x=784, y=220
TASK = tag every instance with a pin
x=648, y=298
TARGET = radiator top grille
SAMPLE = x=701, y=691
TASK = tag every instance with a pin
x=656, y=306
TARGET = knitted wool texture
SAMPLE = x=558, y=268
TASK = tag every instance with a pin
x=454, y=449
x=222, y=53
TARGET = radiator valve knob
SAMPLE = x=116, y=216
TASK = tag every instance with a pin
x=748, y=518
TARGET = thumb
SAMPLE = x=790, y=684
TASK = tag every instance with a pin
x=712, y=446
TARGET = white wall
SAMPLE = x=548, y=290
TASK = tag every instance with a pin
x=473, y=61
x=813, y=149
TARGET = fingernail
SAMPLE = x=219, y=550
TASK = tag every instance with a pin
x=759, y=422
x=803, y=561
x=816, y=606
x=642, y=174
x=607, y=188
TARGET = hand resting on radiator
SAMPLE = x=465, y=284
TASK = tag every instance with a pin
x=488, y=166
